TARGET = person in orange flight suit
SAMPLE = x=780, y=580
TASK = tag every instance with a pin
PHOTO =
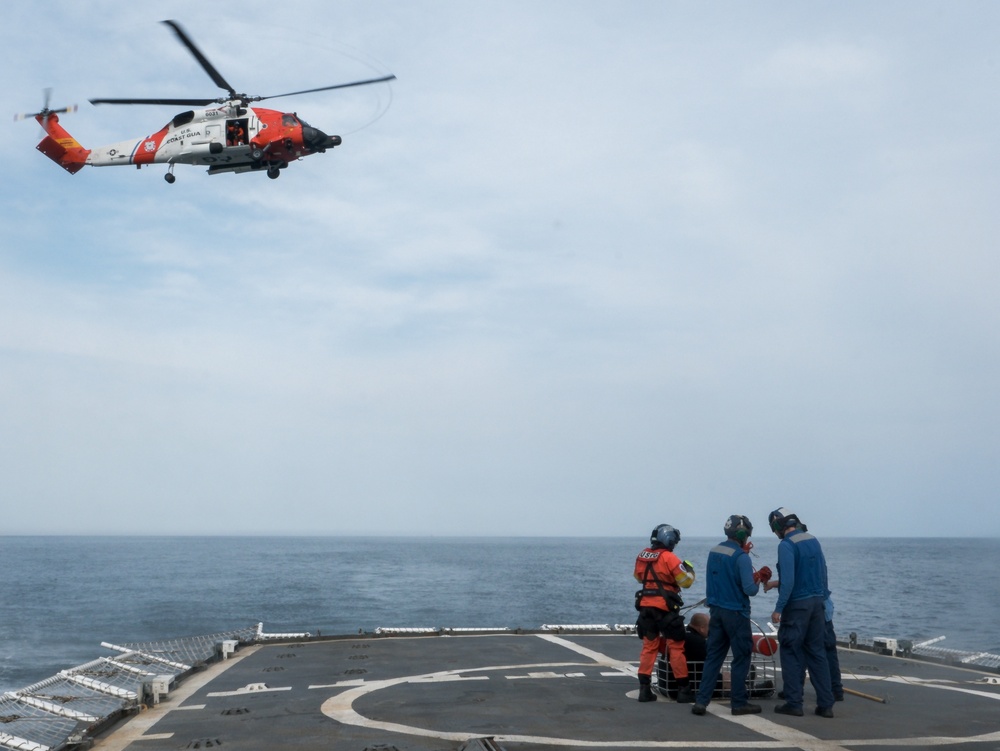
x=235, y=135
x=662, y=575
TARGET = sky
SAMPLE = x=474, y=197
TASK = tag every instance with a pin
x=580, y=270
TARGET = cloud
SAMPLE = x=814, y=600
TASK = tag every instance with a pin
x=819, y=65
x=587, y=269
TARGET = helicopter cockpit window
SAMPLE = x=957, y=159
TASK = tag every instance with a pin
x=289, y=120
x=183, y=118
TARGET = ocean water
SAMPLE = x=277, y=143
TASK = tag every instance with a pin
x=62, y=596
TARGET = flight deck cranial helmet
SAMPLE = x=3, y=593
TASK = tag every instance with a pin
x=665, y=536
x=738, y=528
x=781, y=519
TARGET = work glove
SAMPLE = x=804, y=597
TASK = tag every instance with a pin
x=762, y=575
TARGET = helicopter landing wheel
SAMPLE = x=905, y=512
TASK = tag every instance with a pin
x=273, y=172
x=256, y=154
x=169, y=177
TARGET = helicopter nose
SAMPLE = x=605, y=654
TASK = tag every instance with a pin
x=317, y=140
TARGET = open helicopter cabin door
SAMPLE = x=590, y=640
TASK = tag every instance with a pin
x=237, y=133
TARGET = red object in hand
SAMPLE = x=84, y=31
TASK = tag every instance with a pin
x=762, y=575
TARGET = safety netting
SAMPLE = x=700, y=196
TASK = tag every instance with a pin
x=64, y=709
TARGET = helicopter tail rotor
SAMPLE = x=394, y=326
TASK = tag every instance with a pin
x=58, y=145
x=44, y=112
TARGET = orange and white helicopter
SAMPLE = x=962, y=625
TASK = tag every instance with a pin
x=227, y=136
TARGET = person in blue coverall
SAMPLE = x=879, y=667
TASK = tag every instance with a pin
x=800, y=614
x=832, y=659
x=730, y=583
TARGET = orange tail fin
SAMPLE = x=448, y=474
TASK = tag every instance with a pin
x=60, y=146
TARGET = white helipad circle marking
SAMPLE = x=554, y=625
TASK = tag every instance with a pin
x=341, y=709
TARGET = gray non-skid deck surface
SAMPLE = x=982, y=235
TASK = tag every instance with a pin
x=539, y=691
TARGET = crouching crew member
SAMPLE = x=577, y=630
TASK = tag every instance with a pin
x=662, y=575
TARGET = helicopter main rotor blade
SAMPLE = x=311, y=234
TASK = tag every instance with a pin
x=193, y=49
x=327, y=88
x=177, y=102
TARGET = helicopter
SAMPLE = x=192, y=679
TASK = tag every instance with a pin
x=227, y=135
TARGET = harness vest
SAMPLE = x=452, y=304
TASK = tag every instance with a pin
x=654, y=569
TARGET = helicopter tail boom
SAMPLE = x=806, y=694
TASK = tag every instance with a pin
x=60, y=146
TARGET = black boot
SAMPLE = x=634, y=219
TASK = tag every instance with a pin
x=684, y=693
x=645, y=690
